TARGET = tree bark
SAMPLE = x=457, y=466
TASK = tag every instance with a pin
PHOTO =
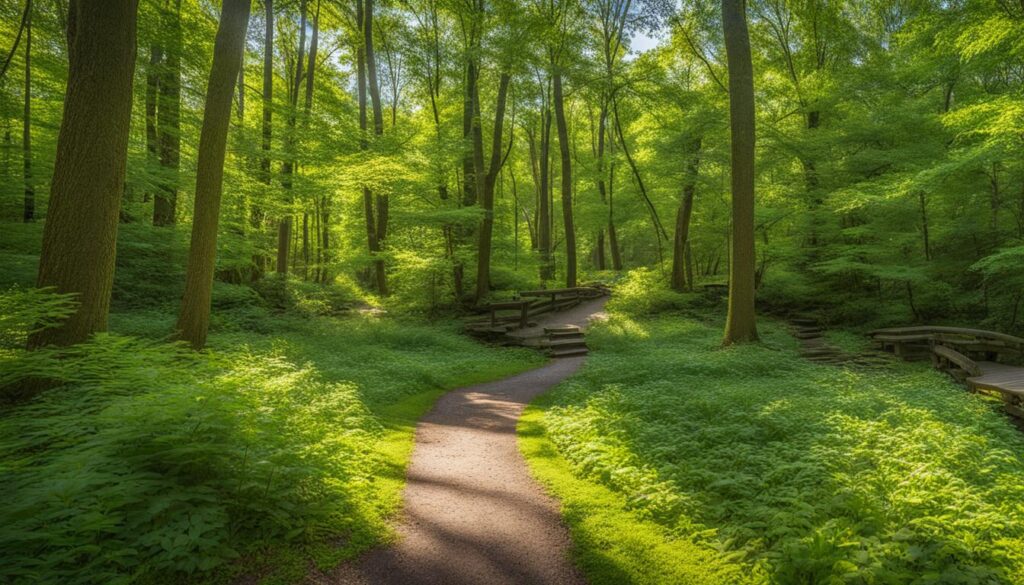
x=547, y=271
x=483, y=266
x=284, y=226
x=567, y=217
x=80, y=233
x=680, y=281
x=194, y=318
x=268, y=90
x=741, y=323
x=379, y=231
x=156, y=58
x=169, y=121
x=29, y=211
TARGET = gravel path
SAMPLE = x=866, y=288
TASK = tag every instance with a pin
x=472, y=512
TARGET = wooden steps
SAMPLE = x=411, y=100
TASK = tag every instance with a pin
x=816, y=348
x=565, y=341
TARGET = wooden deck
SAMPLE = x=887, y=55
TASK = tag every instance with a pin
x=973, y=356
x=1001, y=378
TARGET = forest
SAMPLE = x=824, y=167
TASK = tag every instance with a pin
x=512, y=291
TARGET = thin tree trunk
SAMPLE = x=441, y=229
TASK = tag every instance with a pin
x=284, y=226
x=922, y=199
x=29, y=212
x=380, y=231
x=17, y=39
x=194, y=318
x=89, y=169
x=305, y=245
x=741, y=323
x=543, y=202
x=602, y=190
x=483, y=267
x=152, y=94
x=268, y=91
x=563, y=147
x=682, y=236
x=169, y=121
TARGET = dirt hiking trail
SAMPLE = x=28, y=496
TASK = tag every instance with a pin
x=472, y=513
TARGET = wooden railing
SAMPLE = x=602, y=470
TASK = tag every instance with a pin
x=530, y=303
x=973, y=356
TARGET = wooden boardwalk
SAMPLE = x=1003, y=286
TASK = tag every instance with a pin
x=527, y=319
x=976, y=357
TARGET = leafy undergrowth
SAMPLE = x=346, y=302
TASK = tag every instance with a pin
x=679, y=461
x=283, y=444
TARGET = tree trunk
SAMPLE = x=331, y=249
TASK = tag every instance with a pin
x=682, y=236
x=380, y=230
x=483, y=266
x=194, y=318
x=284, y=226
x=741, y=323
x=563, y=147
x=268, y=90
x=602, y=190
x=169, y=121
x=543, y=202
x=80, y=232
x=311, y=68
x=156, y=58
x=613, y=238
x=29, y=211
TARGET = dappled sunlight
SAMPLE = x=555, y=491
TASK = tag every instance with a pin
x=793, y=466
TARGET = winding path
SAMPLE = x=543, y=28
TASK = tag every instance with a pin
x=472, y=512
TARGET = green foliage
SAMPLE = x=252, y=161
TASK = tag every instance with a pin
x=145, y=461
x=644, y=292
x=26, y=311
x=793, y=472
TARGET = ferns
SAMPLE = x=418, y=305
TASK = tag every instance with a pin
x=152, y=463
x=805, y=473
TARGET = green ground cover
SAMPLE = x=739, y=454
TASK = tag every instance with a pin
x=679, y=461
x=286, y=442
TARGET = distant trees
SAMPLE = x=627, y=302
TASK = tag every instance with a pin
x=523, y=139
x=194, y=317
x=168, y=116
x=740, y=324
x=88, y=178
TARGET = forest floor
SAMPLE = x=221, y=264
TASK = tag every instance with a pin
x=472, y=513
x=678, y=461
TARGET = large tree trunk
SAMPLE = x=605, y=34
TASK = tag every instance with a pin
x=681, y=242
x=88, y=177
x=169, y=121
x=29, y=211
x=194, y=318
x=741, y=324
x=563, y=147
x=483, y=266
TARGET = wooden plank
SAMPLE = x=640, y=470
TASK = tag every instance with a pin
x=957, y=358
x=1000, y=378
x=939, y=329
x=504, y=305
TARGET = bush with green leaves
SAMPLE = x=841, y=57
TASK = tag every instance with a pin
x=788, y=471
x=145, y=461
